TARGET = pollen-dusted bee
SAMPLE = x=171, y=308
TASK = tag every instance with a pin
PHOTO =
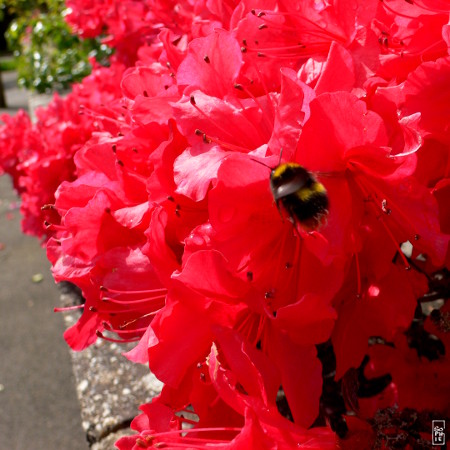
x=296, y=190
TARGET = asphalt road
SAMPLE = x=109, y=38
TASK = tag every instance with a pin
x=39, y=409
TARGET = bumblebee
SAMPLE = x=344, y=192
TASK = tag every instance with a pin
x=298, y=192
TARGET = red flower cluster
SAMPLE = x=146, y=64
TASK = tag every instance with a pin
x=39, y=157
x=266, y=331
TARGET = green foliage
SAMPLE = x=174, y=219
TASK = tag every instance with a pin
x=20, y=7
x=49, y=57
x=7, y=64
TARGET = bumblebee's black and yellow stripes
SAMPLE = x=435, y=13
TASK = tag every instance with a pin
x=303, y=197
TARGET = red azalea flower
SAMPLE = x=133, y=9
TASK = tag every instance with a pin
x=155, y=418
x=239, y=375
x=285, y=34
x=43, y=152
x=14, y=133
x=259, y=125
x=426, y=91
x=86, y=17
x=123, y=22
x=385, y=306
x=223, y=299
x=408, y=34
x=241, y=388
x=212, y=64
x=151, y=90
x=105, y=214
x=122, y=294
x=353, y=150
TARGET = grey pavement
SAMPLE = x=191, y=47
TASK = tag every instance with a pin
x=16, y=98
x=39, y=408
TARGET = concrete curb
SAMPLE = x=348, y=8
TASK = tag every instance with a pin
x=109, y=387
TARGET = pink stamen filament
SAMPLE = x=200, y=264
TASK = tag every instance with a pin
x=420, y=52
x=246, y=326
x=223, y=144
x=177, y=433
x=108, y=327
x=299, y=16
x=117, y=341
x=266, y=91
x=358, y=274
x=54, y=227
x=133, y=292
x=134, y=174
x=260, y=329
x=405, y=218
x=280, y=262
x=253, y=327
x=379, y=214
x=251, y=124
x=113, y=312
x=97, y=116
x=390, y=234
x=273, y=49
x=134, y=302
x=307, y=52
x=296, y=265
x=267, y=120
x=68, y=308
x=188, y=421
x=125, y=324
x=223, y=130
x=243, y=267
x=425, y=50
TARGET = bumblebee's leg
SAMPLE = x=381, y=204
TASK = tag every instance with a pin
x=295, y=225
x=323, y=218
x=279, y=210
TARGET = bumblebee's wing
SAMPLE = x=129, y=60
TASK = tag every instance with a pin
x=287, y=188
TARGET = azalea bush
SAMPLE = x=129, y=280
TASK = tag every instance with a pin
x=149, y=187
